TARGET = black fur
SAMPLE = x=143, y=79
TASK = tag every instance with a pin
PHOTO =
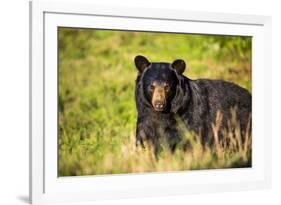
x=194, y=102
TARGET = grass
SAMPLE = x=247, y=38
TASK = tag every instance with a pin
x=97, y=113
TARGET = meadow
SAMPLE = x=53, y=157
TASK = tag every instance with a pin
x=97, y=112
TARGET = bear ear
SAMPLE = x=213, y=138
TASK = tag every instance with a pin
x=179, y=66
x=141, y=63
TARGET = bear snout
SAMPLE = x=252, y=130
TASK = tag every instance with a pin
x=158, y=100
x=159, y=105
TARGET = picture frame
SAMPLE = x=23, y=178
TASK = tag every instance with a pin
x=47, y=187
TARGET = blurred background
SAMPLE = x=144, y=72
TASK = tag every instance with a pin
x=97, y=113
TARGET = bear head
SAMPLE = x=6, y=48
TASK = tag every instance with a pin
x=160, y=82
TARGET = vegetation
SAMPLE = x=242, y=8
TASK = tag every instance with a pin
x=97, y=113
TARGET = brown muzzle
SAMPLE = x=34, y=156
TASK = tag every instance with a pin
x=158, y=96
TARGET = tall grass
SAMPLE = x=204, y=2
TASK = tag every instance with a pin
x=97, y=113
x=232, y=151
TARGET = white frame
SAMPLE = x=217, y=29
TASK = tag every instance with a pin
x=46, y=187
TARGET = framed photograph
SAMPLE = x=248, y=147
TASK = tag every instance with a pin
x=129, y=102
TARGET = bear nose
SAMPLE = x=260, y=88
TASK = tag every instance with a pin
x=159, y=105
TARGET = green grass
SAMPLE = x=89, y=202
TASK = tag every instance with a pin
x=97, y=113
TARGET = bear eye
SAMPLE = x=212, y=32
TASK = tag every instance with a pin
x=167, y=88
x=151, y=87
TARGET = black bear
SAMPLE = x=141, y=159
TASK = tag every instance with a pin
x=163, y=95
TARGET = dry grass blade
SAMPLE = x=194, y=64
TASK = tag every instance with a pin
x=216, y=129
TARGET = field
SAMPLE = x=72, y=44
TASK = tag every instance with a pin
x=97, y=112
